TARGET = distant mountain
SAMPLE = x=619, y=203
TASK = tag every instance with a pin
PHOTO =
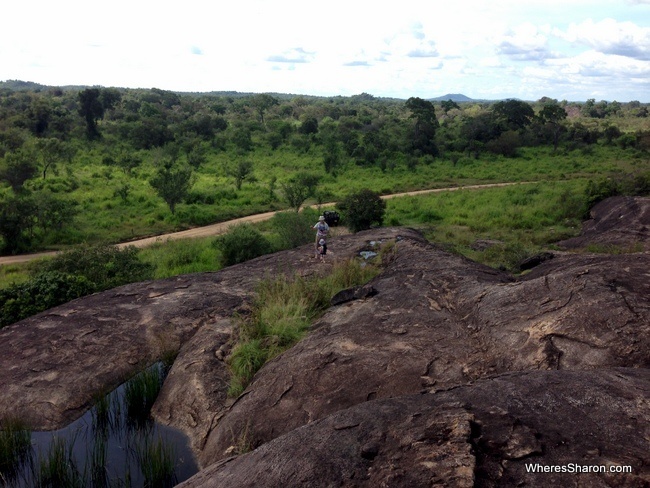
x=454, y=97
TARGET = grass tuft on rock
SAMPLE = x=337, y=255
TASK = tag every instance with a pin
x=282, y=312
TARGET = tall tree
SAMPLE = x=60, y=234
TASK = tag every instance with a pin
x=51, y=151
x=553, y=116
x=91, y=109
x=241, y=171
x=299, y=188
x=426, y=124
x=513, y=114
x=262, y=103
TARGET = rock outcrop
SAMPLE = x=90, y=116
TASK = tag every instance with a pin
x=56, y=363
x=439, y=372
x=438, y=320
x=494, y=432
x=621, y=222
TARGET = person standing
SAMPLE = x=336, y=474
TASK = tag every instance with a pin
x=322, y=249
x=322, y=229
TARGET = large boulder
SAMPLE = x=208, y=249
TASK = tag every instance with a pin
x=536, y=428
x=621, y=223
x=440, y=320
x=55, y=364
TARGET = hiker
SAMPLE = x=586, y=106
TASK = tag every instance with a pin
x=321, y=231
x=322, y=249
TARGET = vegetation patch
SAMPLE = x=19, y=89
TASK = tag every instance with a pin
x=70, y=275
x=281, y=313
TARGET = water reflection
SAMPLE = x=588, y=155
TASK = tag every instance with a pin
x=115, y=444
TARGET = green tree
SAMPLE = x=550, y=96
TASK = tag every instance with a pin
x=128, y=162
x=513, y=114
x=172, y=185
x=362, y=210
x=309, y=126
x=52, y=213
x=448, y=105
x=18, y=167
x=242, y=138
x=423, y=113
x=299, y=188
x=241, y=171
x=52, y=151
x=553, y=115
x=91, y=109
x=331, y=153
x=16, y=224
x=262, y=103
x=478, y=130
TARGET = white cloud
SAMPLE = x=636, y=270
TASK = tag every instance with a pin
x=525, y=42
x=611, y=37
x=504, y=48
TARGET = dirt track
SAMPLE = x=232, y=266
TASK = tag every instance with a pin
x=220, y=228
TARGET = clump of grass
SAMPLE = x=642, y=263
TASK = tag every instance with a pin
x=101, y=414
x=98, y=456
x=140, y=393
x=58, y=467
x=15, y=448
x=156, y=461
x=282, y=312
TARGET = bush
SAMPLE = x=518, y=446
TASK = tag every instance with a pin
x=102, y=266
x=363, y=209
x=293, y=229
x=241, y=243
x=45, y=290
x=631, y=185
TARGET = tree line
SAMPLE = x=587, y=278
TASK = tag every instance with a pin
x=45, y=132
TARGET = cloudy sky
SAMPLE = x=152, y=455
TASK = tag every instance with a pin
x=489, y=49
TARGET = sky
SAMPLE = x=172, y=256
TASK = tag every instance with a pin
x=571, y=50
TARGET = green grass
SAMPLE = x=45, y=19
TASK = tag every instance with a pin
x=157, y=462
x=140, y=393
x=175, y=257
x=105, y=217
x=58, y=466
x=524, y=218
x=282, y=312
x=15, y=448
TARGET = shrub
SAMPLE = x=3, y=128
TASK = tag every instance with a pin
x=293, y=229
x=363, y=209
x=632, y=185
x=45, y=290
x=102, y=266
x=241, y=243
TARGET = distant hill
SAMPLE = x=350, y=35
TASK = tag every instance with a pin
x=19, y=85
x=454, y=97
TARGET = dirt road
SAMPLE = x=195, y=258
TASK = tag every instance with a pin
x=222, y=227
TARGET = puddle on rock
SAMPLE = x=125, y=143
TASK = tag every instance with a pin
x=114, y=444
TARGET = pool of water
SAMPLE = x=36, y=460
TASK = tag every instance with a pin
x=113, y=444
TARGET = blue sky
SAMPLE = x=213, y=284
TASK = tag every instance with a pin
x=564, y=49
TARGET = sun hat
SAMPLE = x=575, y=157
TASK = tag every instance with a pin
x=321, y=218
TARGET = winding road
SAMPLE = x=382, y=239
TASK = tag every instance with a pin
x=222, y=227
